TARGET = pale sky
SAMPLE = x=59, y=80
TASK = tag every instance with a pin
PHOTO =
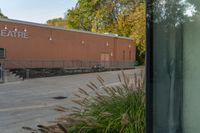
x=38, y=11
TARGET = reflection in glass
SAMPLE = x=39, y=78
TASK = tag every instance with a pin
x=191, y=73
x=176, y=68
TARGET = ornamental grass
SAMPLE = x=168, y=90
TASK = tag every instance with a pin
x=105, y=108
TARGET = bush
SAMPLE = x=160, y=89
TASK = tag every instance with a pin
x=107, y=109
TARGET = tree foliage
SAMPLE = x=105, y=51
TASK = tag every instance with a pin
x=138, y=30
x=1, y=15
x=57, y=22
x=122, y=17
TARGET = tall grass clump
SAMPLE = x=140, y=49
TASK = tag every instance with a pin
x=107, y=109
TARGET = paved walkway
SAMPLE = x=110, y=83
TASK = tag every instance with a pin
x=31, y=102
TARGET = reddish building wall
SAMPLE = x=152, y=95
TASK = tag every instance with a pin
x=52, y=43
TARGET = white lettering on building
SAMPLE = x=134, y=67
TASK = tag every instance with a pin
x=13, y=34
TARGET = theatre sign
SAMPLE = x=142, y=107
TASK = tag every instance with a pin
x=13, y=33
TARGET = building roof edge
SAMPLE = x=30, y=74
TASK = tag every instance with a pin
x=61, y=28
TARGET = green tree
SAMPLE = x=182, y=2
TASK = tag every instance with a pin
x=129, y=20
x=138, y=31
x=58, y=22
x=110, y=12
x=98, y=15
x=122, y=17
x=1, y=15
x=81, y=16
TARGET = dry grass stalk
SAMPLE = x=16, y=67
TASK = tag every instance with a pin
x=61, y=109
x=101, y=80
x=94, y=85
x=79, y=102
x=82, y=91
x=106, y=91
x=62, y=127
x=78, y=96
x=105, y=114
x=111, y=91
x=91, y=87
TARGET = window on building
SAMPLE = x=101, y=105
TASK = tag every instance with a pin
x=2, y=53
x=173, y=66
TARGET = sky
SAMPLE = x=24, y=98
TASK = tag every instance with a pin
x=38, y=11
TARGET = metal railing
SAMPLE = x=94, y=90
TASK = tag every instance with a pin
x=28, y=64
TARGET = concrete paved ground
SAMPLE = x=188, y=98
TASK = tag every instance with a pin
x=31, y=102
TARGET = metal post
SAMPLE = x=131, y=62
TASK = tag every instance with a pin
x=4, y=73
x=27, y=73
x=1, y=74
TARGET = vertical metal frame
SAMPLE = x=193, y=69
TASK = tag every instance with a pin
x=149, y=67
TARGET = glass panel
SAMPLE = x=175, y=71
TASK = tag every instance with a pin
x=191, y=67
x=2, y=53
x=167, y=67
x=176, y=68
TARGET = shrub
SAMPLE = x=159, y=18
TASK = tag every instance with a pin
x=107, y=109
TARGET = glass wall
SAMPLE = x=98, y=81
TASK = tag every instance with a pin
x=175, y=63
x=191, y=72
